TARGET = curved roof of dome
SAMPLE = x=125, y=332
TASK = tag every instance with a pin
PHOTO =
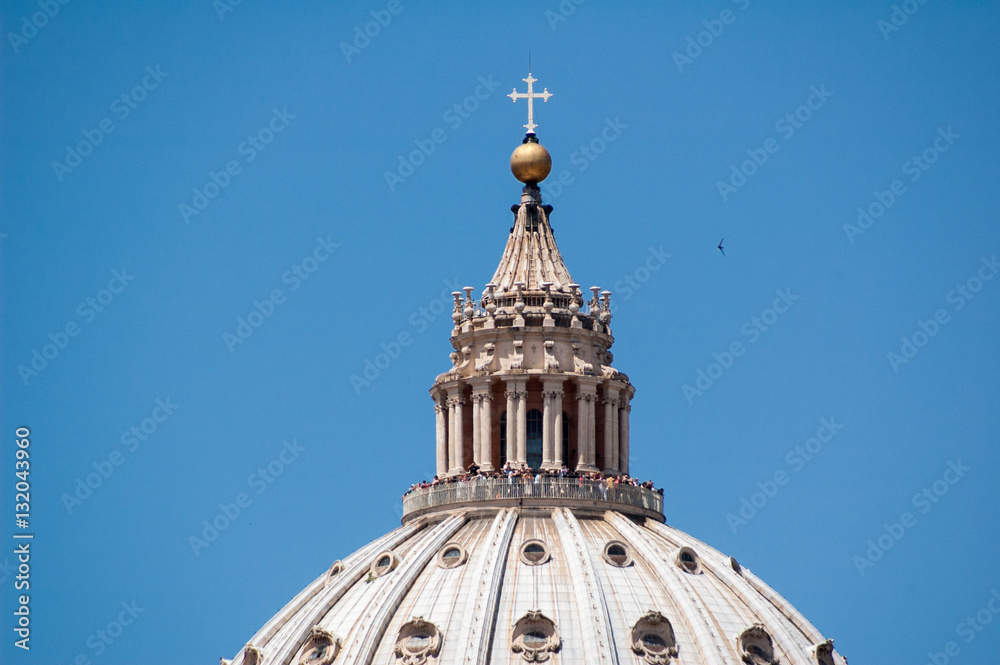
x=595, y=587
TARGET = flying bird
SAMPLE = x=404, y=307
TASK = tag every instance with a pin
x=720, y=247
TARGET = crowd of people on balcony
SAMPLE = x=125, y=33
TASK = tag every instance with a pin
x=526, y=474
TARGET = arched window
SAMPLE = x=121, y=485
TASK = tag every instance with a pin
x=565, y=438
x=534, y=439
x=503, y=438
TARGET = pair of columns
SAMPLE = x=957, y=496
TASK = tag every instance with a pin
x=450, y=426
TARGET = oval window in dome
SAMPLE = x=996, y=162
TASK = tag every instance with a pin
x=534, y=552
x=618, y=554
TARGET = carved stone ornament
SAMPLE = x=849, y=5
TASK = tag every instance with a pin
x=320, y=648
x=653, y=639
x=823, y=653
x=418, y=641
x=535, y=637
x=252, y=655
x=755, y=646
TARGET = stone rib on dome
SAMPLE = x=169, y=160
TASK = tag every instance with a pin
x=531, y=255
x=592, y=603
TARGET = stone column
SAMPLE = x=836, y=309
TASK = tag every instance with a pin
x=552, y=395
x=480, y=417
x=477, y=400
x=610, y=429
x=557, y=430
x=623, y=412
x=449, y=403
x=441, y=426
x=456, y=441
x=485, y=462
x=585, y=435
x=511, y=394
x=522, y=421
x=546, y=426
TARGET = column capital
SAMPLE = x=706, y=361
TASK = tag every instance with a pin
x=455, y=401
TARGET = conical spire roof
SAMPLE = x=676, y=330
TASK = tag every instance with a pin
x=531, y=255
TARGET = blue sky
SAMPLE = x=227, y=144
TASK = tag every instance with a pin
x=672, y=125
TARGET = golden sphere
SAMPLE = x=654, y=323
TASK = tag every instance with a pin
x=530, y=162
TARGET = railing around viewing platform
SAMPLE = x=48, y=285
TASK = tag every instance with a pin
x=539, y=492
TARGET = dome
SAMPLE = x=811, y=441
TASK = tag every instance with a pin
x=538, y=584
x=533, y=543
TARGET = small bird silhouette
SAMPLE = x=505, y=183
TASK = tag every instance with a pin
x=720, y=247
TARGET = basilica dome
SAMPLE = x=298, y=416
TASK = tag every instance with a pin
x=533, y=543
